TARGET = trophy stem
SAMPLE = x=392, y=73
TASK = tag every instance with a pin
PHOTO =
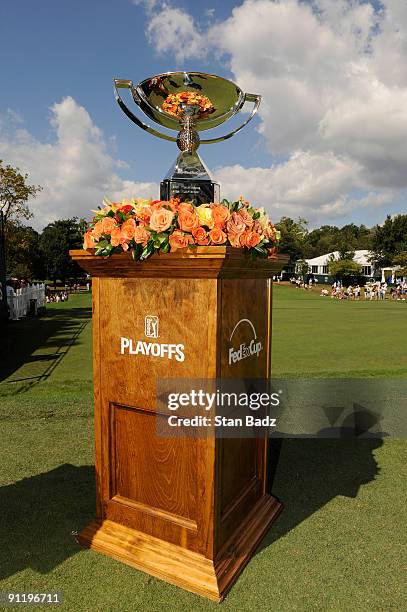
x=188, y=138
x=189, y=178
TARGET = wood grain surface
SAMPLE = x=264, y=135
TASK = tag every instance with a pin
x=189, y=509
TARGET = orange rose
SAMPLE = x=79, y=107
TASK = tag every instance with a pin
x=161, y=219
x=200, y=236
x=217, y=236
x=178, y=240
x=108, y=225
x=141, y=235
x=250, y=239
x=188, y=220
x=157, y=204
x=97, y=230
x=116, y=237
x=220, y=214
x=234, y=240
x=185, y=206
x=88, y=241
x=143, y=213
x=128, y=228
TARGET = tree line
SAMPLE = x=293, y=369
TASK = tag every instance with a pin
x=30, y=254
x=387, y=243
x=44, y=255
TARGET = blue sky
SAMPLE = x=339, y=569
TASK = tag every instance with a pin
x=76, y=48
x=329, y=147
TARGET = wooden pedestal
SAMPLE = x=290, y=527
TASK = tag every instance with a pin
x=188, y=510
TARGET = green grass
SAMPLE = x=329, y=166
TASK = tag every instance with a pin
x=340, y=542
x=323, y=337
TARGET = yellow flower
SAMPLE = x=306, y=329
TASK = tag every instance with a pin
x=205, y=215
x=264, y=218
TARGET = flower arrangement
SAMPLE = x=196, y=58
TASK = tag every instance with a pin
x=173, y=103
x=145, y=227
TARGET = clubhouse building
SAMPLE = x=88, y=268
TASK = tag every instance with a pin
x=319, y=266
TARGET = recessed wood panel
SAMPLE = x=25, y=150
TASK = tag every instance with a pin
x=170, y=464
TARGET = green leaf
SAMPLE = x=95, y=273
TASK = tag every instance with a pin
x=162, y=237
x=148, y=250
x=165, y=247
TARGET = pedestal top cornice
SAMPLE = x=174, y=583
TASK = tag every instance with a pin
x=199, y=262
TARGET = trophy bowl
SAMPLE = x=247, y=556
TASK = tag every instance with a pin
x=187, y=102
x=226, y=97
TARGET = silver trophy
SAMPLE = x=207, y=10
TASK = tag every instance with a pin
x=189, y=103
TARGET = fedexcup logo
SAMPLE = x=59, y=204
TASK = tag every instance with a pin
x=151, y=349
x=245, y=350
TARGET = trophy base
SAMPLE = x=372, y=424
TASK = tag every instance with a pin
x=187, y=190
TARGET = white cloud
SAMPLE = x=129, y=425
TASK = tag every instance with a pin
x=310, y=185
x=171, y=30
x=333, y=76
x=76, y=170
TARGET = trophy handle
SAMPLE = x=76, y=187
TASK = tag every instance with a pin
x=247, y=98
x=124, y=84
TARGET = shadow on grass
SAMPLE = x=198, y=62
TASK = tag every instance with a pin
x=53, y=334
x=312, y=472
x=38, y=515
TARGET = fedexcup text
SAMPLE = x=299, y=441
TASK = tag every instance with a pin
x=244, y=351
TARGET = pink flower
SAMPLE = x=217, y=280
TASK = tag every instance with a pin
x=161, y=219
x=246, y=217
x=270, y=232
x=235, y=228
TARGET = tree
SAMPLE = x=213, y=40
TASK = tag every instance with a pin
x=14, y=194
x=344, y=268
x=329, y=238
x=389, y=240
x=56, y=240
x=293, y=235
x=401, y=260
x=303, y=268
x=23, y=252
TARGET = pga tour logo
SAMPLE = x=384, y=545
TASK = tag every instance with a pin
x=244, y=350
x=151, y=349
x=151, y=326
